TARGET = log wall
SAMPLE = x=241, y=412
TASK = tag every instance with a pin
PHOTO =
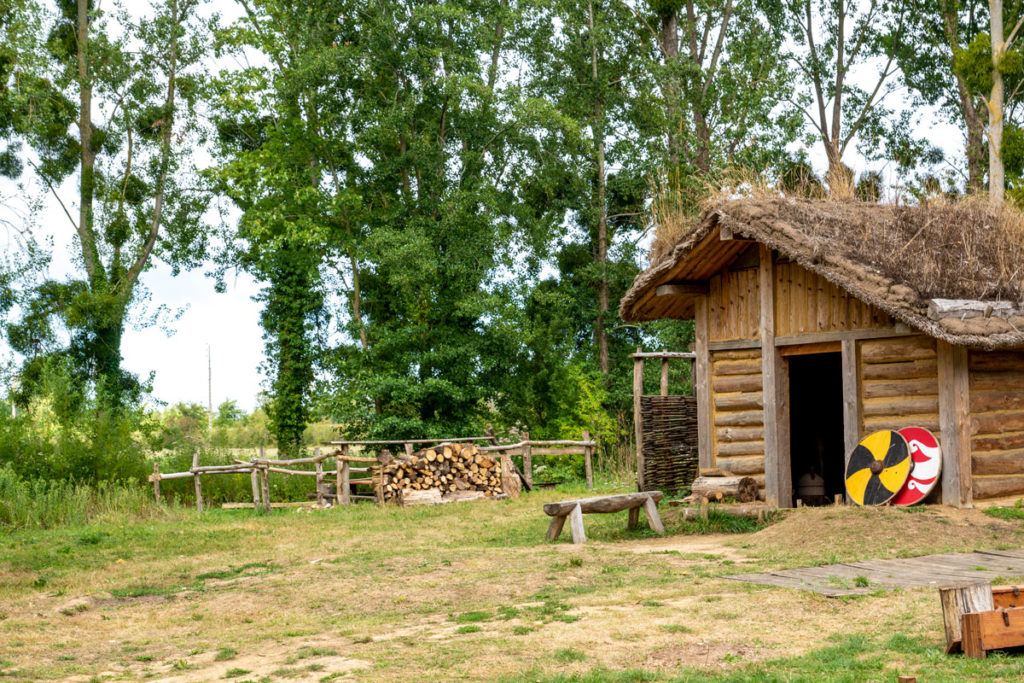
x=738, y=412
x=806, y=303
x=732, y=305
x=899, y=384
x=996, y=382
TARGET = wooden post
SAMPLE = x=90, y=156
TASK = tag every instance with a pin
x=664, y=376
x=527, y=459
x=337, y=481
x=409, y=449
x=346, y=487
x=254, y=477
x=319, y=479
x=701, y=381
x=576, y=525
x=955, y=425
x=778, y=477
x=960, y=599
x=199, y=491
x=587, y=464
x=851, y=398
x=265, y=487
x=156, y=481
x=653, y=520
x=638, y=423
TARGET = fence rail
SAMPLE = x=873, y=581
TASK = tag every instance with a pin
x=260, y=468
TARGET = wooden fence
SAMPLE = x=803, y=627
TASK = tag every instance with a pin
x=347, y=464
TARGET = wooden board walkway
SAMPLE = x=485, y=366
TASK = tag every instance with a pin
x=834, y=580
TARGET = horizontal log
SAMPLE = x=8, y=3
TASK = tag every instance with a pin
x=568, y=450
x=368, y=482
x=901, y=349
x=997, y=423
x=971, y=308
x=897, y=422
x=743, y=489
x=735, y=354
x=732, y=383
x=996, y=381
x=460, y=439
x=248, y=506
x=993, y=487
x=1002, y=442
x=623, y=501
x=901, y=406
x=737, y=367
x=739, y=401
x=753, y=464
x=915, y=369
x=739, y=419
x=176, y=475
x=726, y=434
x=353, y=458
x=995, y=361
x=990, y=401
x=909, y=387
x=1007, y=462
x=284, y=470
x=745, y=510
x=740, y=448
x=664, y=354
x=213, y=469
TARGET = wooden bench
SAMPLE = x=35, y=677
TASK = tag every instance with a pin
x=575, y=509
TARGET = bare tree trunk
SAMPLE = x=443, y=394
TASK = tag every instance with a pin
x=996, y=172
x=87, y=156
x=669, y=40
x=600, y=333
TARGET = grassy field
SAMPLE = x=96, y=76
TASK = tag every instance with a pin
x=473, y=591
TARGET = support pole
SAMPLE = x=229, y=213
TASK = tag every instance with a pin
x=199, y=491
x=265, y=488
x=254, y=477
x=346, y=475
x=337, y=481
x=587, y=464
x=319, y=480
x=527, y=459
x=664, y=376
x=638, y=426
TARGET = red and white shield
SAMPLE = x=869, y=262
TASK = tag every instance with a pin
x=927, y=458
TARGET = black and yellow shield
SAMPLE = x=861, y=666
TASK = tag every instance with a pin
x=878, y=468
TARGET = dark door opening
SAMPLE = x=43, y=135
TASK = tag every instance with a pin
x=816, y=450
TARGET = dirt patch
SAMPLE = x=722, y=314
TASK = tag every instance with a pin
x=847, y=533
x=712, y=544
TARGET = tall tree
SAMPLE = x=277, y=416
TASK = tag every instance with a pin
x=836, y=38
x=111, y=101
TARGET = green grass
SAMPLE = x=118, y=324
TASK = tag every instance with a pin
x=469, y=628
x=1014, y=513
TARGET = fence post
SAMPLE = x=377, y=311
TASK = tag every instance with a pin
x=587, y=464
x=255, y=478
x=408, y=449
x=664, y=376
x=527, y=459
x=346, y=475
x=319, y=478
x=196, y=477
x=156, y=481
x=265, y=487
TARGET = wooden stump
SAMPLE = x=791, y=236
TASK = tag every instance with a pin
x=960, y=599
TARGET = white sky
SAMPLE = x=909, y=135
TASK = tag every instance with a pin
x=229, y=322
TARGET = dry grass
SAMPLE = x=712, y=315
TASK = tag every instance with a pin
x=387, y=594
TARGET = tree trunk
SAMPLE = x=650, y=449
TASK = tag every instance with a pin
x=87, y=156
x=669, y=40
x=601, y=256
x=996, y=172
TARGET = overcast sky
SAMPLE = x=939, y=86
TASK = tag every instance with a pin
x=229, y=323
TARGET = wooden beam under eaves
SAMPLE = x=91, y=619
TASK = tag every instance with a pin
x=682, y=289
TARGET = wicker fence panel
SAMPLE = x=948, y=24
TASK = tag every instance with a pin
x=670, y=441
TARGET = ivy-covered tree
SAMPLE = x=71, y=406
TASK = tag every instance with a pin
x=109, y=102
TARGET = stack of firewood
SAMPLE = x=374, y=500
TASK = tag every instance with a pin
x=452, y=470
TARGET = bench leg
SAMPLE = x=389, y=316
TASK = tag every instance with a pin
x=576, y=524
x=651, y=510
x=634, y=518
x=557, y=522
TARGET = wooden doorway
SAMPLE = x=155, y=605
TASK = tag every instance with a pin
x=816, y=437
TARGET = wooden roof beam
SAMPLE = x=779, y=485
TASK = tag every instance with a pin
x=682, y=289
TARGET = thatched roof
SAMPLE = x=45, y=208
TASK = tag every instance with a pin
x=901, y=259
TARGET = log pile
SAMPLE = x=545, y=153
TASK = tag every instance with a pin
x=452, y=470
x=713, y=486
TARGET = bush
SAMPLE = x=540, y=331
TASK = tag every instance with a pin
x=39, y=503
